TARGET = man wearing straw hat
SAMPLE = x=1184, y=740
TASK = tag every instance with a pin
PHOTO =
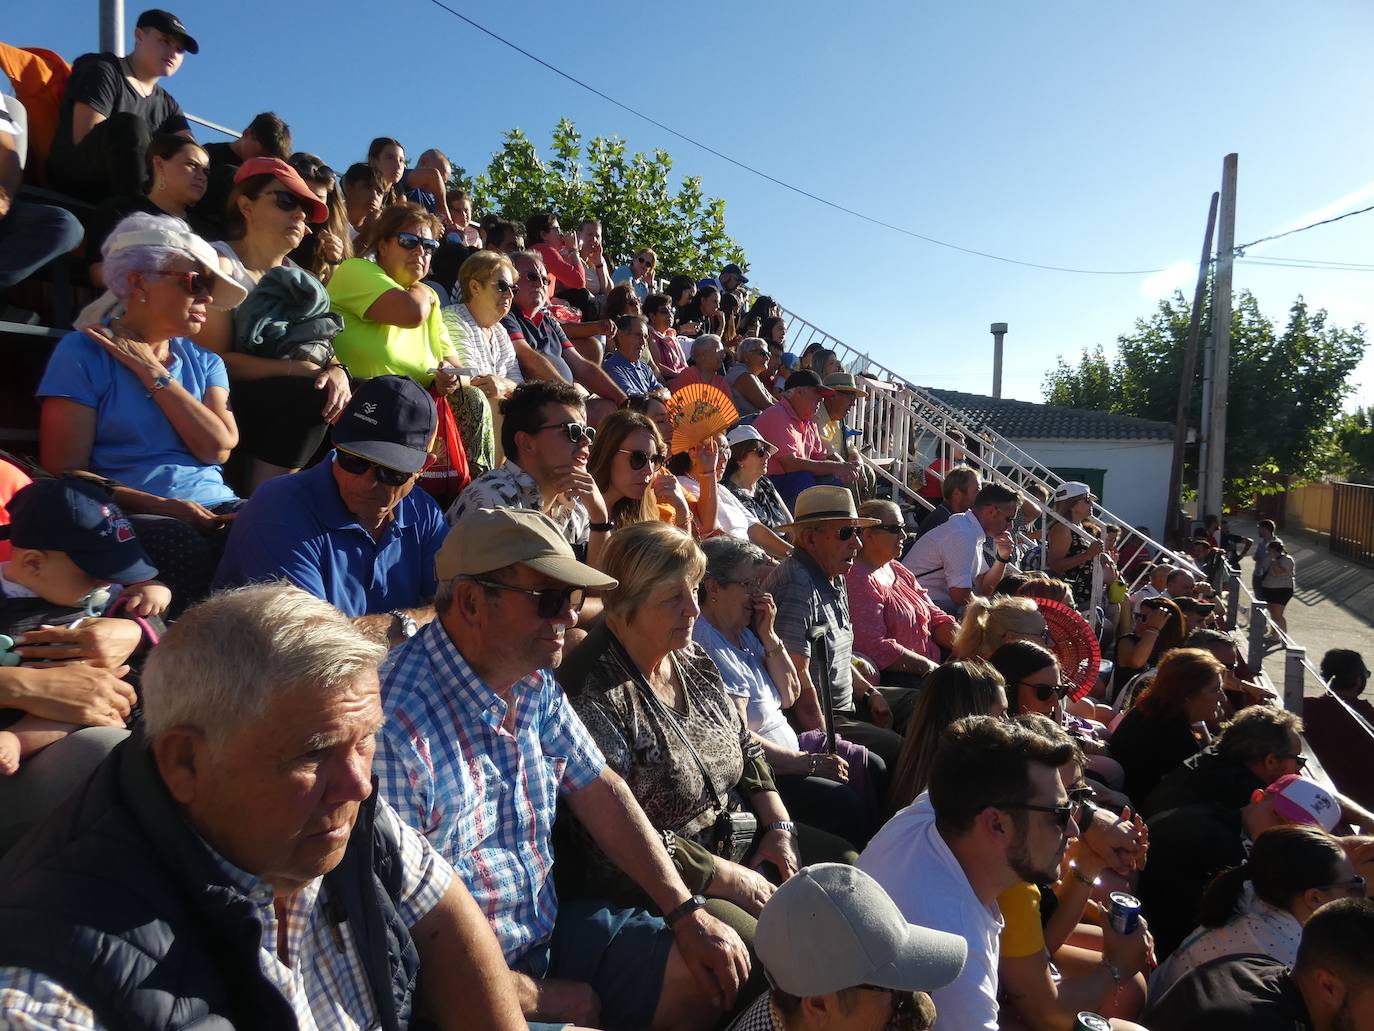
x=809, y=591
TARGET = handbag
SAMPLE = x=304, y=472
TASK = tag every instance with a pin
x=734, y=830
x=445, y=477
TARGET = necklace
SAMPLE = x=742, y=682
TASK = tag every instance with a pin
x=137, y=84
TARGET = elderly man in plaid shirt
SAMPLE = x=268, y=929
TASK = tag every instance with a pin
x=480, y=744
x=230, y=864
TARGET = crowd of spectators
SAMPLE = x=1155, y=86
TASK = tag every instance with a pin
x=421, y=617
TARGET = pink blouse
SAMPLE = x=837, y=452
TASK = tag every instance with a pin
x=674, y=361
x=889, y=608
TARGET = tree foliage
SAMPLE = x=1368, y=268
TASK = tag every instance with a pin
x=1355, y=438
x=630, y=193
x=1284, y=398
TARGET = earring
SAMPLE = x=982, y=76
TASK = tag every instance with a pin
x=161, y=183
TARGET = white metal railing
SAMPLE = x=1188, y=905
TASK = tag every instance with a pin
x=907, y=428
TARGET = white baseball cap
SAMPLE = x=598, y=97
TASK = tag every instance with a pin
x=831, y=927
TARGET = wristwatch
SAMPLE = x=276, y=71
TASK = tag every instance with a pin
x=403, y=625
x=161, y=382
x=693, y=903
x=786, y=826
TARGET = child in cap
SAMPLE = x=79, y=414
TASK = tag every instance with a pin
x=70, y=545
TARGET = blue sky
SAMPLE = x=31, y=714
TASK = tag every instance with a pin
x=1077, y=134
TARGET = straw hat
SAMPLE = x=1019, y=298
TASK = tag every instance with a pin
x=822, y=503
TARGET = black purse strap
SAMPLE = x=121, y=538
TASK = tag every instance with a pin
x=670, y=717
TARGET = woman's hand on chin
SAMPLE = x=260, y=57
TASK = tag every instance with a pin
x=738, y=884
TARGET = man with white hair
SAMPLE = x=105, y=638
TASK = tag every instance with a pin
x=230, y=864
x=708, y=354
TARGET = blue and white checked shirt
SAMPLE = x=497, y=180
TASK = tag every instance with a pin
x=484, y=797
x=323, y=977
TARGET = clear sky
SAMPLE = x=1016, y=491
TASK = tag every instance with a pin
x=1087, y=135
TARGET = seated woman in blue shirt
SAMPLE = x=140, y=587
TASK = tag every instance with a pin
x=132, y=399
x=626, y=363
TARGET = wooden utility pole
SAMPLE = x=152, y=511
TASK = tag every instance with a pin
x=1185, y=387
x=1211, y=498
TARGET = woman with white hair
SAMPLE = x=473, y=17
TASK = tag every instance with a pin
x=132, y=398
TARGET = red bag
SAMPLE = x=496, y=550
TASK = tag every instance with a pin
x=448, y=474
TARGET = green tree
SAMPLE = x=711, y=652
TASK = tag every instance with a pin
x=629, y=192
x=1355, y=437
x=1283, y=404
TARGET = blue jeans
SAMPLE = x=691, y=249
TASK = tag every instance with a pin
x=32, y=235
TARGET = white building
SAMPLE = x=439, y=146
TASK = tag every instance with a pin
x=1124, y=459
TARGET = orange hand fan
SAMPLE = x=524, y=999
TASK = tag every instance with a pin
x=699, y=410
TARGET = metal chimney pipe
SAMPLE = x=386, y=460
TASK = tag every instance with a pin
x=999, y=330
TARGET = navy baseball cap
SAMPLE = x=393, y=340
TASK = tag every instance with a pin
x=76, y=517
x=734, y=270
x=166, y=21
x=389, y=420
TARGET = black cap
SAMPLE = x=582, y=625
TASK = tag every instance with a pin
x=166, y=21
x=76, y=517
x=735, y=270
x=806, y=378
x=389, y=420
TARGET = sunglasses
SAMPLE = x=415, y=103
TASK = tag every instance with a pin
x=535, y=277
x=577, y=433
x=846, y=532
x=1299, y=760
x=1062, y=813
x=639, y=459
x=549, y=601
x=409, y=241
x=196, y=284
x=288, y=201
x=896, y=529
x=1353, y=887
x=1045, y=692
x=356, y=466
x=502, y=287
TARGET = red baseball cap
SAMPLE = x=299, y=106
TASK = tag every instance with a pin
x=315, y=209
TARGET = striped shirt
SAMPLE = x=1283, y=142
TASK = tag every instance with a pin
x=484, y=797
x=323, y=977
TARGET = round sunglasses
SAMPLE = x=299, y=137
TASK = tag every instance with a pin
x=639, y=459
x=577, y=433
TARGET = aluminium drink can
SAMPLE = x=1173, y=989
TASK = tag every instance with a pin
x=1124, y=914
x=1086, y=1021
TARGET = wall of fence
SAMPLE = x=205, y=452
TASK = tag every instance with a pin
x=1352, y=521
x=1309, y=506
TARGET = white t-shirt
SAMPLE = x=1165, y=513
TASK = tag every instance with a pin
x=731, y=515
x=745, y=674
x=951, y=555
x=910, y=859
x=1144, y=593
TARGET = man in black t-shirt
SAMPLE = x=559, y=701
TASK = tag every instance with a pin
x=266, y=136
x=1330, y=988
x=112, y=107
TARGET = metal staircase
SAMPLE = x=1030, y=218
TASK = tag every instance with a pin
x=905, y=428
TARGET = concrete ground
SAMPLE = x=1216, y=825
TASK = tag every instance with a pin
x=1334, y=603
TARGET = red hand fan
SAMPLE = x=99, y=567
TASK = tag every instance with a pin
x=1074, y=644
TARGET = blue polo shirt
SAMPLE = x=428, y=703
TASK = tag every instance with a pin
x=631, y=377
x=296, y=527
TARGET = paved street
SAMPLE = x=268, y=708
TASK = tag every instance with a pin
x=1334, y=604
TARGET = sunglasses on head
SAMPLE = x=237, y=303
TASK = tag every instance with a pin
x=196, y=284
x=549, y=601
x=638, y=459
x=409, y=241
x=357, y=466
x=577, y=433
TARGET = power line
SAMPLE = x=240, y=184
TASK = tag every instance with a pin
x=773, y=179
x=1301, y=229
x=1323, y=262
x=1312, y=266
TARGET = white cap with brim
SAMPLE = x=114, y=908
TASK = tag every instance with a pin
x=486, y=539
x=743, y=432
x=831, y=927
x=1072, y=489
x=176, y=236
